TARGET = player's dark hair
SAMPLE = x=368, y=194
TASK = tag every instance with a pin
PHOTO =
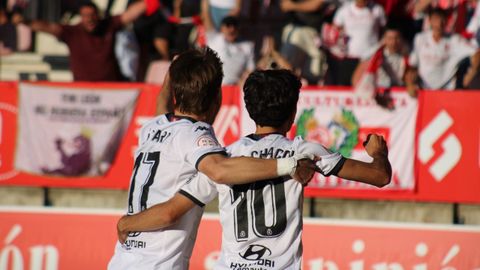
x=271, y=96
x=196, y=80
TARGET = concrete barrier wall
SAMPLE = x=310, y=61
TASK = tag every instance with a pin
x=328, y=208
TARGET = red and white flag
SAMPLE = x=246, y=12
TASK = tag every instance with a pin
x=367, y=85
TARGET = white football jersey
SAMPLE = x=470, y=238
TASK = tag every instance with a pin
x=169, y=151
x=262, y=221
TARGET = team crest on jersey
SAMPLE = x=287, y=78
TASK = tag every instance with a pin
x=207, y=140
x=339, y=135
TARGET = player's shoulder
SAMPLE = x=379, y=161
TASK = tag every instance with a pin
x=187, y=125
x=197, y=133
x=303, y=146
x=190, y=129
x=255, y=141
x=155, y=121
x=300, y=145
x=297, y=141
x=152, y=123
x=181, y=125
x=239, y=144
x=199, y=126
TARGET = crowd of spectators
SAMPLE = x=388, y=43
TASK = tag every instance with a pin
x=14, y=34
x=420, y=44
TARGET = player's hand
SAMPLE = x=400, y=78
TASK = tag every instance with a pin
x=305, y=170
x=375, y=145
x=121, y=233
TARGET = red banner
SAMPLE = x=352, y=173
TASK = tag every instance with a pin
x=119, y=173
x=8, y=122
x=448, y=146
x=447, y=142
x=116, y=177
x=341, y=121
x=57, y=239
x=447, y=152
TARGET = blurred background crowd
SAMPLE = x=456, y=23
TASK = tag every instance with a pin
x=418, y=44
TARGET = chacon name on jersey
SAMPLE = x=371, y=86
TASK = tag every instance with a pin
x=272, y=153
x=158, y=135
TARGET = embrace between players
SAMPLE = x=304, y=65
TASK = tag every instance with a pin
x=180, y=167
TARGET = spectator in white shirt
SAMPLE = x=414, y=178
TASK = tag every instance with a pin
x=237, y=55
x=357, y=25
x=436, y=55
x=361, y=20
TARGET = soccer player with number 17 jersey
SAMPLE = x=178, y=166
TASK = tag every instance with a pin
x=172, y=149
x=262, y=221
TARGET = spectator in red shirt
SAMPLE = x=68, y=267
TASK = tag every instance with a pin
x=91, y=42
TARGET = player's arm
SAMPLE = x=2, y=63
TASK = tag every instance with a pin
x=156, y=217
x=47, y=27
x=378, y=172
x=134, y=11
x=241, y=170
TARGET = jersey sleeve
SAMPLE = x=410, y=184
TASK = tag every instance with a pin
x=330, y=163
x=200, y=190
x=200, y=143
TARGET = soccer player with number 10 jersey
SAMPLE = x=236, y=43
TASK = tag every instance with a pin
x=262, y=221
